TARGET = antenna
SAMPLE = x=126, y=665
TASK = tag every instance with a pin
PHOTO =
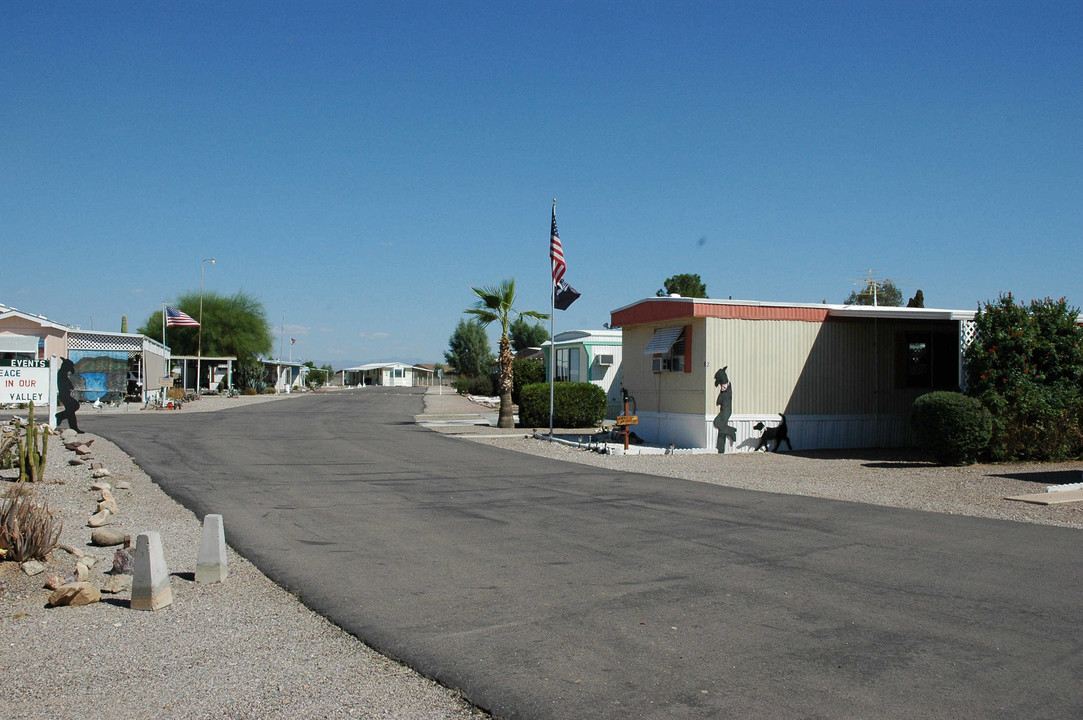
x=877, y=284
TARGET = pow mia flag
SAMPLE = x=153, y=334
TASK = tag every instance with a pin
x=564, y=295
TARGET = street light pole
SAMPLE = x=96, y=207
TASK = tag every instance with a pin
x=199, y=342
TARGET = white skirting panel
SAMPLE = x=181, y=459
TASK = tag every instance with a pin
x=807, y=432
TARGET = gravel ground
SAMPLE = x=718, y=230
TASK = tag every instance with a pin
x=246, y=648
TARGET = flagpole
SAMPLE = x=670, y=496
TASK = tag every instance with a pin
x=169, y=363
x=552, y=337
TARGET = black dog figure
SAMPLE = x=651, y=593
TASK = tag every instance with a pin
x=778, y=434
x=64, y=388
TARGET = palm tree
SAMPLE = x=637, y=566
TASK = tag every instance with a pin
x=496, y=305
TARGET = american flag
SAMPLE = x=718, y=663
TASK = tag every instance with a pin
x=175, y=317
x=556, y=252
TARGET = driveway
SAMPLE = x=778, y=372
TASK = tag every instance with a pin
x=544, y=589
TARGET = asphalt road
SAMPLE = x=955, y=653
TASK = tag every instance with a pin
x=543, y=589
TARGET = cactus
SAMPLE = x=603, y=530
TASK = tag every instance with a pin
x=31, y=458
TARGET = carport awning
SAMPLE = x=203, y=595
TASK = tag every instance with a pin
x=663, y=340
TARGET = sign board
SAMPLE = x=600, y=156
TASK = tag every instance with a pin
x=166, y=382
x=25, y=381
x=627, y=420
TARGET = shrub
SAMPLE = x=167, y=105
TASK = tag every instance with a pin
x=525, y=371
x=952, y=427
x=575, y=405
x=249, y=391
x=480, y=385
x=28, y=531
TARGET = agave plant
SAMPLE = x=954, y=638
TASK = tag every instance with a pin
x=28, y=530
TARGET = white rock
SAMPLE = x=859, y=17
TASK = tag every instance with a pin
x=99, y=518
x=33, y=567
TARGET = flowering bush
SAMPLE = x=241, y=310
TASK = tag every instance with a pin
x=1026, y=367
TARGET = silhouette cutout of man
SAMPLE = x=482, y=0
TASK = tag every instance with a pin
x=64, y=388
x=725, y=409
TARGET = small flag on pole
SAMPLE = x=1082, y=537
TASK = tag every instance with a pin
x=565, y=295
x=178, y=318
x=556, y=252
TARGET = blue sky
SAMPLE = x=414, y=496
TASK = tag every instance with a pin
x=358, y=166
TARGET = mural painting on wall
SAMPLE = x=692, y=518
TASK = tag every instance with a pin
x=725, y=409
x=99, y=375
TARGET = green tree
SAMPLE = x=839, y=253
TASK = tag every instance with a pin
x=524, y=372
x=685, y=285
x=469, y=354
x=496, y=304
x=315, y=377
x=1026, y=366
x=234, y=325
x=918, y=301
x=525, y=334
x=875, y=292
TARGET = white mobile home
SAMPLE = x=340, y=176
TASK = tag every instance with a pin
x=592, y=356
x=389, y=374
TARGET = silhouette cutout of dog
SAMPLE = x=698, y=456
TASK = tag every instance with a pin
x=777, y=433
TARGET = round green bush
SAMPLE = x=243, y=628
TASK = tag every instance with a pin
x=575, y=405
x=951, y=427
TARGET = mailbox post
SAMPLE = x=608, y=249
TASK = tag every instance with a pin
x=625, y=420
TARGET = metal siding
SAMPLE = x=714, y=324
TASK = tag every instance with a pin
x=764, y=360
x=839, y=377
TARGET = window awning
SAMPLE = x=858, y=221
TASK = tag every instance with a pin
x=21, y=344
x=663, y=340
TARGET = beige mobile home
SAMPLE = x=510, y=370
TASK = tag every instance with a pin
x=844, y=376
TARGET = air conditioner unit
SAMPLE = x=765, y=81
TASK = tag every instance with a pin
x=605, y=359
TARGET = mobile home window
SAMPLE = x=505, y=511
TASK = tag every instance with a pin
x=674, y=358
x=567, y=365
x=929, y=360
